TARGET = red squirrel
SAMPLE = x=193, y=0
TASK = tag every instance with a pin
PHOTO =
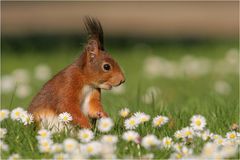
x=77, y=88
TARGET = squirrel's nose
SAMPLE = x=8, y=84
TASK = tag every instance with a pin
x=122, y=80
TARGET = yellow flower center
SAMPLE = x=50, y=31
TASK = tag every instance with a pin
x=60, y=157
x=150, y=142
x=198, y=122
x=188, y=133
x=132, y=122
x=2, y=114
x=168, y=142
x=69, y=146
x=45, y=144
x=130, y=138
x=43, y=134
x=159, y=121
x=17, y=113
x=143, y=119
x=65, y=118
x=178, y=156
x=105, y=125
x=215, y=136
x=89, y=149
x=48, y=148
x=28, y=119
x=85, y=135
x=232, y=136
x=220, y=141
x=124, y=114
x=109, y=139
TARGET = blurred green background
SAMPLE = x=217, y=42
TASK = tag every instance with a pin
x=173, y=53
x=179, y=59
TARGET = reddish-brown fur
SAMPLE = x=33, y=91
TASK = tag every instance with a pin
x=63, y=93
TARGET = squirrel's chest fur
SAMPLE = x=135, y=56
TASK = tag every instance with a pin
x=86, y=94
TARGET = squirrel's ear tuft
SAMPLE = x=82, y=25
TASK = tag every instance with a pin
x=95, y=32
x=92, y=47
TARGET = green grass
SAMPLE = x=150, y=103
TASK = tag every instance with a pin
x=180, y=98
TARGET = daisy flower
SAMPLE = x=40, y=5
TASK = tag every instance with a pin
x=77, y=155
x=232, y=135
x=187, y=132
x=44, y=145
x=65, y=117
x=8, y=84
x=160, y=121
x=215, y=136
x=3, y=146
x=43, y=134
x=105, y=124
x=205, y=135
x=124, y=112
x=209, y=149
x=61, y=156
x=177, y=147
x=26, y=118
x=42, y=72
x=70, y=145
x=130, y=136
x=150, y=141
x=198, y=122
x=21, y=76
x=91, y=149
x=14, y=156
x=222, y=87
x=56, y=148
x=228, y=151
x=23, y=90
x=3, y=132
x=131, y=123
x=186, y=151
x=178, y=134
x=176, y=156
x=142, y=117
x=3, y=114
x=219, y=140
x=109, y=139
x=167, y=142
x=16, y=113
x=85, y=135
x=108, y=151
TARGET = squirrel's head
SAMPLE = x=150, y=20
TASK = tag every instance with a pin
x=102, y=70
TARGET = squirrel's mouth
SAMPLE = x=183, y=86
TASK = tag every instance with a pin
x=108, y=86
x=105, y=86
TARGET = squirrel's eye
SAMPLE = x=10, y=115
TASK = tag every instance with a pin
x=106, y=67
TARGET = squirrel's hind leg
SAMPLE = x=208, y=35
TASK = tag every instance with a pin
x=48, y=119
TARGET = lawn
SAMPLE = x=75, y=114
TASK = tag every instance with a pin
x=175, y=79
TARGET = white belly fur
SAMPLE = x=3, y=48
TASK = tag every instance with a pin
x=86, y=94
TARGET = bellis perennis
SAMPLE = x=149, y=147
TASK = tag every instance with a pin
x=198, y=122
x=105, y=124
x=65, y=117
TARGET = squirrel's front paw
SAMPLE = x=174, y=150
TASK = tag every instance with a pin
x=102, y=114
x=99, y=114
